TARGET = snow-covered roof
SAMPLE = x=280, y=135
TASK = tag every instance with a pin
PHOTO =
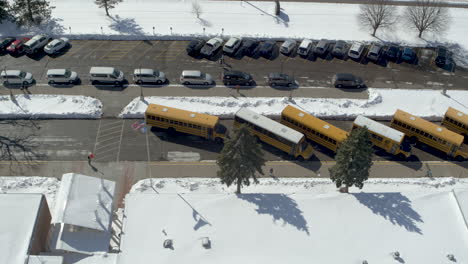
x=42, y=259
x=78, y=239
x=379, y=128
x=270, y=125
x=18, y=217
x=294, y=228
x=84, y=201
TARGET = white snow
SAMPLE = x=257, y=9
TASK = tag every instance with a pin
x=49, y=106
x=163, y=19
x=33, y=184
x=294, y=221
x=381, y=103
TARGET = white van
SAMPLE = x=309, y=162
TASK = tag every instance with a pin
x=62, y=76
x=305, y=47
x=106, y=75
x=35, y=43
x=195, y=77
x=148, y=76
x=16, y=77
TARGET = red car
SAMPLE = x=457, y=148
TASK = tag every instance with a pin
x=17, y=46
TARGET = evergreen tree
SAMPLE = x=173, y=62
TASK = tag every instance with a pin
x=353, y=160
x=240, y=159
x=107, y=4
x=4, y=10
x=31, y=12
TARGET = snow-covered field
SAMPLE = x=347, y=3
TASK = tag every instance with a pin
x=297, y=221
x=174, y=19
x=381, y=103
x=49, y=106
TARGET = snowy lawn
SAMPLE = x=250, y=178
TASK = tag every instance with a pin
x=49, y=106
x=174, y=19
x=382, y=103
x=296, y=221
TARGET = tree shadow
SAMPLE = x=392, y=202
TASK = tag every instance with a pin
x=280, y=207
x=394, y=207
x=205, y=22
x=125, y=25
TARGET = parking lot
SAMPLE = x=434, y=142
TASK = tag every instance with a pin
x=171, y=58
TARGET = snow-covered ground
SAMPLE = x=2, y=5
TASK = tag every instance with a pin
x=381, y=103
x=49, y=106
x=45, y=185
x=174, y=19
x=297, y=221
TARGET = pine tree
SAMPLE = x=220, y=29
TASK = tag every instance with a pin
x=107, y=4
x=30, y=12
x=4, y=10
x=353, y=160
x=240, y=159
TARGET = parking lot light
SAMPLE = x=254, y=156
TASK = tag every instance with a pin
x=102, y=31
x=222, y=31
x=153, y=30
x=171, y=30
x=203, y=31
x=69, y=29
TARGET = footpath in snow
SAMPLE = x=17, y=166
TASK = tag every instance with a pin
x=174, y=19
x=49, y=106
x=381, y=103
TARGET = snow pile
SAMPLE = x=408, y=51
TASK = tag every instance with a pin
x=294, y=185
x=45, y=185
x=163, y=19
x=49, y=106
x=381, y=103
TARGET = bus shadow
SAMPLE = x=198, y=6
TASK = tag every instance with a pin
x=413, y=162
x=438, y=154
x=188, y=140
x=313, y=164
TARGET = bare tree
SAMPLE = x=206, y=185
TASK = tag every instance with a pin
x=107, y=4
x=277, y=7
x=428, y=15
x=196, y=8
x=377, y=14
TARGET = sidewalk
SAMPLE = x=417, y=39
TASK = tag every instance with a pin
x=114, y=99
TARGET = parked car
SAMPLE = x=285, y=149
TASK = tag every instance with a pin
x=305, y=47
x=321, y=47
x=56, y=45
x=16, y=77
x=5, y=42
x=237, y=78
x=267, y=48
x=375, y=51
x=280, y=79
x=36, y=43
x=194, y=47
x=288, y=46
x=195, y=77
x=211, y=47
x=393, y=53
x=347, y=80
x=106, y=75
x=442, y=56
x=339, y=50
x=232, y=45
x=249, y=46
x=408, y=55
x=141, y=76
x=62, y=76
x=17, y=46
x=356, y=50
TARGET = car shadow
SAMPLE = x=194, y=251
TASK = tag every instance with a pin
x=199, y=86
x=280, y=207
x=352, y=89
x=112, y=87
x=65, y=85
x=61, y=52
x=413, y=162
x=37, y=56
x=437, y=153
x=155, y=85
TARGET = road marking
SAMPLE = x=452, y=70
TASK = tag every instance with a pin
x=120, y=141
x=97, y=136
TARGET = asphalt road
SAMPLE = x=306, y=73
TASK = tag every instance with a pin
x=117, y=140
x=170, y=57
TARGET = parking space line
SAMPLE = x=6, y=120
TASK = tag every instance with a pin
x=73, y=51
x=93, y=50
x=120, y=141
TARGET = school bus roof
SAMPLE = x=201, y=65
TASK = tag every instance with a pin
x=457, y=115
x=380, y=129
x=317, y=124
x=182, y=115
x=424, y=125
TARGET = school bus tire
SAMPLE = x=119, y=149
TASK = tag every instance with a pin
x=171, y=131
x=219, y=140
x=300, y=158
x=401, y=156
x=459, y=158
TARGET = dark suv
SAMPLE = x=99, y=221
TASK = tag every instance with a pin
x=237, y=78
x=248, y=47
x=347, y=80
x=280, y=79
x=194, y=47
x=442, y=56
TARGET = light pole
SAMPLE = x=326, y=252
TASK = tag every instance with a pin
x=102, y=31
x=171, y=30
x=222, y=31
x=69, y=29
x=153, y=30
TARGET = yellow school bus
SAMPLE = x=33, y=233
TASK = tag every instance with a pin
x=456, y=121
x=314, y=128
x=275, y=134
x=430, y=134
x=174, y=119
x=384, y=137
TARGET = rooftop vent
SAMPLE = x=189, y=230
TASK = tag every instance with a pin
x=284, y=130
x=364, y=262
x=301, y=114
x=439, y=129
x=164, y=109
x=326, y=126
x=451, y=257
x=459, y=114
x=412, y=118
x=255, y=117
x=396, y=255
x=192, y=115
x=206, y=243
x=168, y=244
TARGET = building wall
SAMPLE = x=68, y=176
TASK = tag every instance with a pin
x=41, y=229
